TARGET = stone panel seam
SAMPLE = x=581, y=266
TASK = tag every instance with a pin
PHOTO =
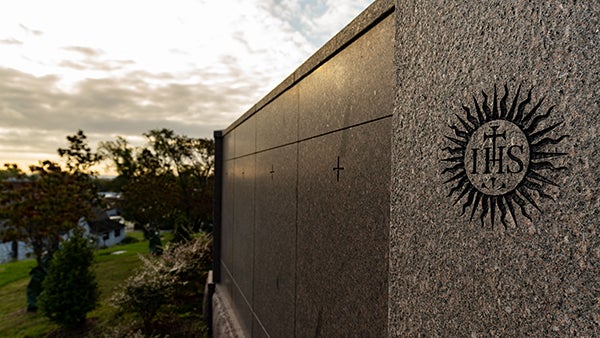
x=317, y=136
x=233, y=281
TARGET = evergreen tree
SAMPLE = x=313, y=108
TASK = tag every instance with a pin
x=70, y=288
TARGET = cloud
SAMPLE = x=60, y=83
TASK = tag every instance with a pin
x=36, y=114
x=31, y=31
x=96, y=65
x=86, y=51
x=10, y=41
x=320, y=20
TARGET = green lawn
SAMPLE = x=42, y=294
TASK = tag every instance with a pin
x=13, y=272
x=111, y=270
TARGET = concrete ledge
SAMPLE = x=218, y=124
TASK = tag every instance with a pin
x=224, y=322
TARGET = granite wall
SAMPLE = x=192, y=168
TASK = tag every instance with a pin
x=495, y=192
x=431, y=171
x=303, y=206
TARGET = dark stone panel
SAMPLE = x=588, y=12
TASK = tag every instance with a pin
x=259, y=331
x=245, y=137
x=243, y=229
x=342, y=254
x=243, y=311
x=275, y=240
x=355, y=86
x=227, y=212
x=226, y=280
x=277, y=123
x=277, y=91
x=229, y=145
x=456, y=275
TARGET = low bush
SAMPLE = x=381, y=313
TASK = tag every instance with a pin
x=147, y=291
x=174, y=278
x=70, y=289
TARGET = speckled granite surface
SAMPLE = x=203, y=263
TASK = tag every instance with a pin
x=305, y=193
x=465, y=260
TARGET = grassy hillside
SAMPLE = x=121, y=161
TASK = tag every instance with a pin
x=111, y=270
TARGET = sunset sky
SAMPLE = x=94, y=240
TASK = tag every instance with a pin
x=124, y=67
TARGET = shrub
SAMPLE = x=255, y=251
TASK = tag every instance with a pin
x=169, y=279
x=70, y=289
x=189, y=262
x=147, y=291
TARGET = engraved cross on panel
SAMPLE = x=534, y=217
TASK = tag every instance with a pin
x=272, y=172
x=337, y=169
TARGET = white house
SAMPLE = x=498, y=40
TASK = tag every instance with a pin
x=7, y=249
x=107, y=230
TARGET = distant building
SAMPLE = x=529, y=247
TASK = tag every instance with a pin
x=14, y=251
x=107, y=230
x=107, y=227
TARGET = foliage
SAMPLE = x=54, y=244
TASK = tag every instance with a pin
x=151, y=200
x=170, y=279
x=147, y=291
x=189, y=262
x=43, y=206
x=79, y=156
x=111, y=272
x=11, y=171
x=166, y=183
x=70, y=289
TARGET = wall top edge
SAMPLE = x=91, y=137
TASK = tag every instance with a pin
x=376, y=12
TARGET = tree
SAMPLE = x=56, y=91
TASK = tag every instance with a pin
x=11, y=171
x=191, y=160
x=38, y=210
x=78, y=155
x=168, y=182
x=42, y=207
x=123, y=157
x=70, y=289
x=48, y=203
x=11, y=175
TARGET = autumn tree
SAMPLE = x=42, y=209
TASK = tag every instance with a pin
x=78, y=156
x=167, y=182
x=191, y=160
x=42, y=207
x=49, y=202
x=11, y=171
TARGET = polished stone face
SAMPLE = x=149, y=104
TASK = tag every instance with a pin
x=275, y=240
x=466, y=205
x=495, y=231
x=343, y=217
x=306, y=183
